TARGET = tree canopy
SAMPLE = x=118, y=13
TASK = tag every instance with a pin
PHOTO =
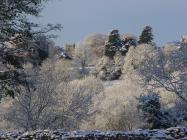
x=16, y=29
x=146, y=35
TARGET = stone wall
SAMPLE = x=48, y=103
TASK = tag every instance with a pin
x=168, y=134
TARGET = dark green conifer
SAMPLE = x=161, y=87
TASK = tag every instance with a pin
x=146, y=36
x=113, y=44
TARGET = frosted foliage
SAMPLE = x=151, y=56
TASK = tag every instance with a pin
x=76, y=99
x=55, y=102
x=119, y=59
x=167, y=70
x=96, y=41
x=136, y=57
x=116, y=110
x=83, y=57
x=163, y=70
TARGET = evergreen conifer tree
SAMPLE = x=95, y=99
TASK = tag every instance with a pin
x=146, y=36
x=150, y=105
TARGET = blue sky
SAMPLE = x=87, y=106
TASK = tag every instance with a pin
x=81, y=18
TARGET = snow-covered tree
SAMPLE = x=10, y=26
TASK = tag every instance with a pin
x=83, y=57
x=96, y=41
x=167, y=70
x=17, y=30
x=113, y=44
x=53, y=101
x=129, y=40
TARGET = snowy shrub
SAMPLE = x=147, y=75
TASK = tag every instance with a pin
x=116, y=109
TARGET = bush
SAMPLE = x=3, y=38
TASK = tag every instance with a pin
x=150, y=105
x=116, y=108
